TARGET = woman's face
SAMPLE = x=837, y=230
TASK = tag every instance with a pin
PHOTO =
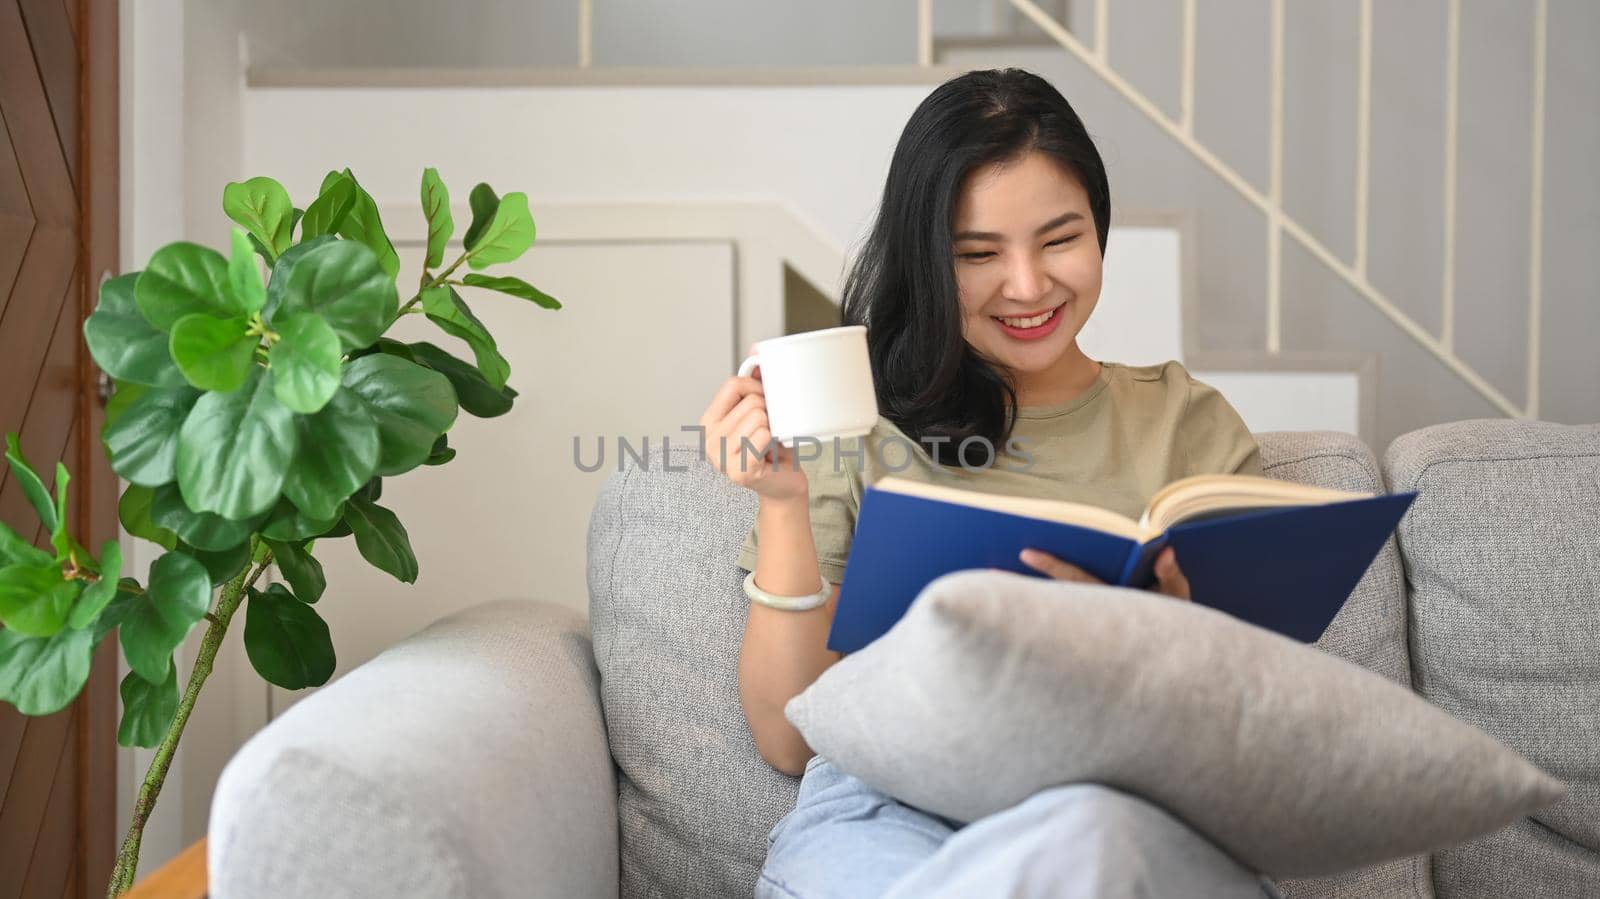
x=1025, y=245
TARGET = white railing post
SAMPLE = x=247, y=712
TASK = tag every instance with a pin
x=1452, y=105
x=1275, y=188
x=1536, y=209
x=585, y=33
x=1186, y=86
x=1102, y=29
x=924, y=33
x=1363, y=135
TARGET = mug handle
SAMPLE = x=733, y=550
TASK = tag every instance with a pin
x=748, y=365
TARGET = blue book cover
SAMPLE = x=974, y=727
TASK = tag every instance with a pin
x=1286, y=568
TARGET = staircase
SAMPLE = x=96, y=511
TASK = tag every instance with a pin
x=1288, y=248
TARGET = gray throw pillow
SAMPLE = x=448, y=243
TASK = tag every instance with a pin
x=995, y=685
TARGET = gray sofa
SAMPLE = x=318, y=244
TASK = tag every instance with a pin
x=520, y=749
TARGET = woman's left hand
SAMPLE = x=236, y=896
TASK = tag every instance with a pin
x=1169, y=577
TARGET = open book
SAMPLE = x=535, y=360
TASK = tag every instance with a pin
x=1280, y=555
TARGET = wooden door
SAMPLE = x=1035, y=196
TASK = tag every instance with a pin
x=58, y=238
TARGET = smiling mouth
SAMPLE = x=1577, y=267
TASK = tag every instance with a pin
x=1033, y=321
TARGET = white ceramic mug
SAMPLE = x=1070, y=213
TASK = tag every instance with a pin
x=817, y=384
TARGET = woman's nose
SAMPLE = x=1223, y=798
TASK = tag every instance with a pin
x=1026, y=281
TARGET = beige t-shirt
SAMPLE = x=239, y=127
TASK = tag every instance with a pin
x=1135, y=430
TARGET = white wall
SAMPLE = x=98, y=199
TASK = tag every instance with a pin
x=819, y=152
x=639, y=347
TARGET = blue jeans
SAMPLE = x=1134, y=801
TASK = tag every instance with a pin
x=844, y=839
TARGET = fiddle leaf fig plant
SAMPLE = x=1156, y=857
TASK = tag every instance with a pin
x=259, y=404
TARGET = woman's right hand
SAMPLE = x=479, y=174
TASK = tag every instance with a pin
x=739, y=411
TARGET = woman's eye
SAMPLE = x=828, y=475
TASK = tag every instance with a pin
x=975, y=257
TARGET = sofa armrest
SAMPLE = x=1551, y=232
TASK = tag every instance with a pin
x=468, y=760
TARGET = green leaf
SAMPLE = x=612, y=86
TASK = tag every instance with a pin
x=411, y=404
x=143, y=442
x=287, y=641
x=99, y=594
x=339, y=449
x=446, y=309
x=125, y=394
x=205, y=530
x=220, y=565
x=436, y=206
x=128, y=591
x=213, y=353
x=247, y=290
x=35, y=600
x=32, y=485
x=123, y=344
x=133, y=510
x=441, y=452
x=41, y=675
x=305, y=361
x=278, y=283
x=341, y=528
x=158, y=621
x=508, y=236
x=262, y=206
x=342, y=282
x=261, y=250
x=382, y=539
x=364, y=226
x=183, y=278
x=300, y=569
x=332, y=206
x=234, y=450
x=147, y=709
x=58, y=535
x=514, y=286
x=474, y=393
x=288, y=523
x=16, y=551
x=386, y=345
x=484, y=203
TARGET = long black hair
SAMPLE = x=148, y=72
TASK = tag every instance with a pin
x=930, y=382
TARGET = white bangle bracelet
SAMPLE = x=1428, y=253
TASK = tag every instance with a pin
x=786, y=603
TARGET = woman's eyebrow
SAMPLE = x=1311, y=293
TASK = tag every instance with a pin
x=1056, y=222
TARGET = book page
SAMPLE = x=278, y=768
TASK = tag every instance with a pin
x=1208, y=494
x=1079, y=514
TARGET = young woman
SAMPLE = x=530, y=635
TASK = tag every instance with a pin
x=984, y=265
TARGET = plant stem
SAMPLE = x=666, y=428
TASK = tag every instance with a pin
x=437, y=280
x=233, y=592
x=440, y=278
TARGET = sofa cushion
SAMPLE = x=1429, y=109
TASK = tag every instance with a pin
x=1370, y=630
x=995, y=685
x=667, y=611
x=1502, y=551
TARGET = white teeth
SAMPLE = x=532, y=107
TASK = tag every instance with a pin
x=1033, y=322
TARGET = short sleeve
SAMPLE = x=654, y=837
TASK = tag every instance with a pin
x=1214, y=436
x=835, y=483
